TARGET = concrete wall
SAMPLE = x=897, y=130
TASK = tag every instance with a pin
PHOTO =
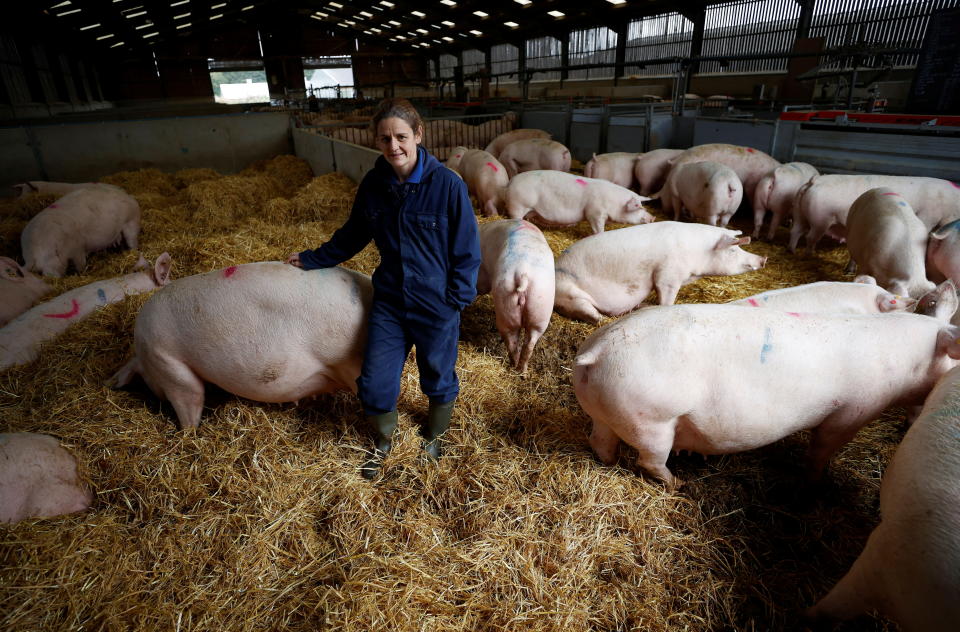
x=326, y=155
x=76, y=152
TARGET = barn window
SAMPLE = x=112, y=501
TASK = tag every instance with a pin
x=238, y=81
x=329, y=77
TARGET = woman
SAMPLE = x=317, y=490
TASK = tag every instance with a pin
x=419, y=214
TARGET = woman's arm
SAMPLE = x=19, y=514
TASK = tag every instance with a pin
x=349, y=239
x=464, y=248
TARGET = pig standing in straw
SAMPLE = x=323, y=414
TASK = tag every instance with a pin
x=613, y=272
x=518, y=270
x=556, y=198
x=910, y=567
x=485, y=176
x=719, y=379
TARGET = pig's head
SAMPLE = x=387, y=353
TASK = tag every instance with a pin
x=15, y=280
x=943, y=251
x=633, y=211
x=24, y=189
x=729, y=258
x=941, y=303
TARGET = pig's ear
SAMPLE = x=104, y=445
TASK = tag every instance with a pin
x=161, y=269
x=948, y=341
x=866, y=279
x=948, y=301
x=10, y=270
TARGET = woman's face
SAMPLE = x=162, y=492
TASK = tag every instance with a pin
x=398, y=142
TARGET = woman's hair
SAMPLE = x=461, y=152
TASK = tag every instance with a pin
x=398, y=108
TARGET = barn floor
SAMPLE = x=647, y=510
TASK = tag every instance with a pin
x=260, y=520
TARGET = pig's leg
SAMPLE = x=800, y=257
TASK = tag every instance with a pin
x=604, y=442
x=130, y=234
x=597, y=222
x=175, y=381
x=582, y=308
x=776, y=218
x=511, y=339
x=490, y=207
x=79, y=260
x=533, y=335
x=852, y=595
x=653, y=440
x=796, y=231
x=667, y=289
x=831, y=435
x=814, y=235
x=758, y=213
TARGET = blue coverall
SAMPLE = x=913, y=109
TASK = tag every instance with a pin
x=429, y=246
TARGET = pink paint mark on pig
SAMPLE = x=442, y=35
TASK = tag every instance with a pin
x=750, y=149
x=893, y=301
x=492, y=166
x=794, y=314
x=753, y=302
x=53, y=206
x=955, y=185
x=229, y=272
x=582, y=183
x=73, y=312
x=891, y=193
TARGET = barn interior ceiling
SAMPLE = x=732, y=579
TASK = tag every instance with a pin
x=133, y=27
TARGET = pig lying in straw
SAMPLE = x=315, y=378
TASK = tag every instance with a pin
x=38, y=478
x=485, y=176
x=888, y=242
x=517, y=269
x=18, y=289
x=718, y=379
x=81, y=222
x=835, y=297
x=909, y=569
x=266, y=331
x=555, y=198
x=613, y=272
x=21, y=338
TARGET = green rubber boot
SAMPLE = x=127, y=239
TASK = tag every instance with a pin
x=438, y=420
x=385, y=424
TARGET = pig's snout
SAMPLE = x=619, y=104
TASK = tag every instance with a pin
x=757, y=263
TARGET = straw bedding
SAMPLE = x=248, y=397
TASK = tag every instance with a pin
x=260, y=520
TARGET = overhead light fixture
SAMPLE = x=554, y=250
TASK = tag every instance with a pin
x=315, y=17
x=475, y=32
x=449, y=3
x=183, y=26
x=137, y=14
x=556, y=14
x=62, y=4
x=617, y=1
x=523, y=2
x=177, y=4
x=375, y=29
x=425, y=44
x=143, y=26
x=401, y=37
x=151, y=34
x=336, y=5
x=481, y=14
x=343, y=25
x=418, y=14
x=387, y=4
x=350, y=22
x=88, y=27
x=182, y=15
x=448, y=23
x=118, y=43
x=394, y=22
x=447, y=39
x=217, y=6
x=321, y=14
x=365, y=14
x=368, y=32
x=218, y=15
x=247, y=8
x=60, y=15
x=424, y=31
x=103, y=37
x=512, y=25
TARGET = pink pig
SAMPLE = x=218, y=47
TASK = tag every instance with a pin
x=908, y=569
x=485, y=176
x=500, y=142
x=38, y=478
x=21, y=338
x=81, y=222
x=616, y=167
x=42, y=187
x=775, y=193
x=18, y=289
x=266, y=331
x=719, y=379
x=835, y=297
x=556, y=198
x=888, y=242
x=535, y=153
x=517, y=269
x=748, y=163
x=651, y=169
x=822, y=204
x=613, y=272
x=711, y=192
